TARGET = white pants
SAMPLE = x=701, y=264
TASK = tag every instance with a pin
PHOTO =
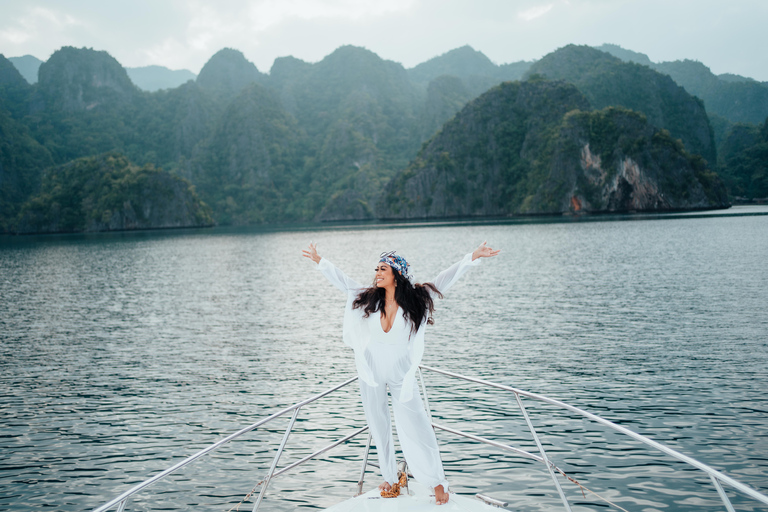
x=414, y=430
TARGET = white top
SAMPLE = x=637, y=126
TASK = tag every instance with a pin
x=398, y=334
x=357, y=330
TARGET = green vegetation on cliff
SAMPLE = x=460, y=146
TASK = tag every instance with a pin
x=738, y=101
x=109, y=193
x=319, y=141
x=75, y=79
x=471, y=67
x=728, y=98
x=744, y=161
x=250, y=171
x=21, y=161
x=614, y=160
x=535, y=148
x=606, y=81
x=15, y=92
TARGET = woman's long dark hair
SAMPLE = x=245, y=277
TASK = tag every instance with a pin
x=416, y=300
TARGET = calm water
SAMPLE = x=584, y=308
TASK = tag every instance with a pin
x=122, y=354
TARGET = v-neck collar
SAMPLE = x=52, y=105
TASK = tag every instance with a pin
x=381, y=320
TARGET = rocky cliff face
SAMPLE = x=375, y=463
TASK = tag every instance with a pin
x=83, y=79
x=613, y=160
x=534, y=148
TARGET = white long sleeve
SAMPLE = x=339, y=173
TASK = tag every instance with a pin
x=337, y=278
x=449, y=276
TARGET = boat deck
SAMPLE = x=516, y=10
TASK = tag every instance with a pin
x=417, y=499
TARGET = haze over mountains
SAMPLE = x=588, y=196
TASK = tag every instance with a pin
x=340, y=139
x=146, y=78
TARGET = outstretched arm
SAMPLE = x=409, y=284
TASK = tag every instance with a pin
x=338, y=278
x=449, y=276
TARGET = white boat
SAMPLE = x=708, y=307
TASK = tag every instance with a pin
x=417, y=498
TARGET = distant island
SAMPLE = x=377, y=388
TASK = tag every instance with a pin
x=353, y=137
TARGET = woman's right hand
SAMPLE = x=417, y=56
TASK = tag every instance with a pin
x=311, y=253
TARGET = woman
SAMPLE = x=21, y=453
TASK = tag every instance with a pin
x=384, y=324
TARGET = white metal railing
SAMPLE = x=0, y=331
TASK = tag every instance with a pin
x=122, y=500
x=716, y=477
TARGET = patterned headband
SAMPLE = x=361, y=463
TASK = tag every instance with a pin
x=398, y=263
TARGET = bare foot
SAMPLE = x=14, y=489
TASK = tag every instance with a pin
x=441, y=497
x=385, y=487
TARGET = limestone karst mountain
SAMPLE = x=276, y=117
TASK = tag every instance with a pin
x=327, y=140
x=228, y=72
x=535, y=148
x=83, y=79
x=735, y=98
x=607, y=81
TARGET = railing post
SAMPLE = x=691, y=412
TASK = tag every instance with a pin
x=722, y=494
x=543, y=454
x=274, y=461
x=424, y=392
x=365, y=464
x=122, y=505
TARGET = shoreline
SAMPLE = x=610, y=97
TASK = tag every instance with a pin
x=737, y=210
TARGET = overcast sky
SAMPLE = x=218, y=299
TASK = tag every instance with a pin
x=726, y=35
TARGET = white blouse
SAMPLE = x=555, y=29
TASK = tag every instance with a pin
x=357, y=328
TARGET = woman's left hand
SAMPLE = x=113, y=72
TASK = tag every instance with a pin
x=311, y=253
x=483, y=251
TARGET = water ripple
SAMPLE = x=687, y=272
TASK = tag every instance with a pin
x=123, y=354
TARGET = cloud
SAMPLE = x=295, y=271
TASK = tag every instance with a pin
x=534, y=12
x=185, y=33
x=268, y=13
x=54, y=18
x=265, y=29
x=209, y=23
x=37, y=23
x=15, y=35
